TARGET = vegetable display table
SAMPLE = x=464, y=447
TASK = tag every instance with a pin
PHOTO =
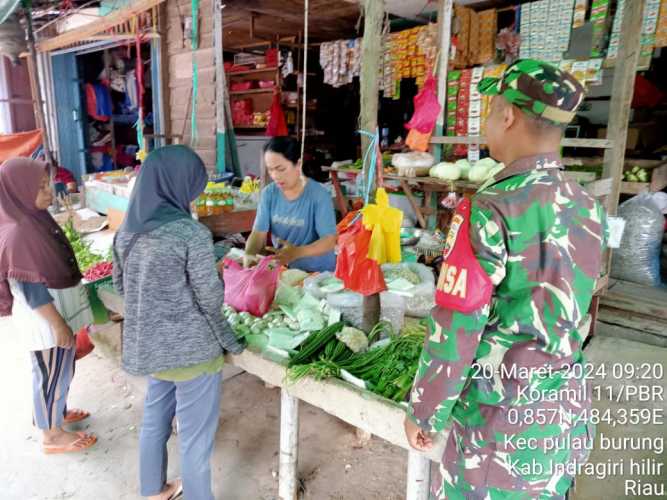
x=353, y=405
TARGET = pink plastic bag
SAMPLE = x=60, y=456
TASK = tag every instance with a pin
x=427, y=108
x=251, y=290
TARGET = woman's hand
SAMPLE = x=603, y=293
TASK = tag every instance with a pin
x=287, y=253
x=64, y=336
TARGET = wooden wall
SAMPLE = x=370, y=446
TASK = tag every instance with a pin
x=178, y=78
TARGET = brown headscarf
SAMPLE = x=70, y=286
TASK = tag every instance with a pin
x=33, y=248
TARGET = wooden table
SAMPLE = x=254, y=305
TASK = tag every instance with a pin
x=230, y=223
x=430, y=186
x=357, y=407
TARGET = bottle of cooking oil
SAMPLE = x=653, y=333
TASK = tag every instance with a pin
x=201, y=205
x=230, y=200
x=210, y=201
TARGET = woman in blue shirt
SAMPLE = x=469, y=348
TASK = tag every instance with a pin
x=297, y=211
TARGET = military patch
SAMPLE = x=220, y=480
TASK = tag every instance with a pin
x=453, y=232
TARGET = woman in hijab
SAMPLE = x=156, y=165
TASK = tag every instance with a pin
x=40, y=287
x=174, y=332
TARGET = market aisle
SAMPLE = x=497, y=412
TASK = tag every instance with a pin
x=245, y=460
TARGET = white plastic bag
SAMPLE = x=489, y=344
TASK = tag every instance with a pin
x=350, y=305
x=421, y=298
x=414, y=159
x=322, y=284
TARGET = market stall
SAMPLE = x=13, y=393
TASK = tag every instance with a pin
x=348, y=400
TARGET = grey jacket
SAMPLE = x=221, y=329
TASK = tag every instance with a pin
x=173, y=298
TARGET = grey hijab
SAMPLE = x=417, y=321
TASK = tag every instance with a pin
x=170, y=178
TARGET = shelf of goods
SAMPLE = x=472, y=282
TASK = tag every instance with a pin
x=357, y=407
x=251, y=94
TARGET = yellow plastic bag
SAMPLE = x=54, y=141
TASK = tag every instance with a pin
x=385, y=223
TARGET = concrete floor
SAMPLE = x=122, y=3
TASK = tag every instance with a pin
x=245, y=462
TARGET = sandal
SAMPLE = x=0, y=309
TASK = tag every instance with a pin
x=84, y=442
x=75, y=415
x=178, y=493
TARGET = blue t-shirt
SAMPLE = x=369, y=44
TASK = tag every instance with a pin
x=300, y=222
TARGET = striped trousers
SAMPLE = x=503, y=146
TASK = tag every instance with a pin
x=52, y=373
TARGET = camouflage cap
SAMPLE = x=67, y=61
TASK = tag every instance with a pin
x=538, y=89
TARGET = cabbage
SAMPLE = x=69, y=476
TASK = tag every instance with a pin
x=355, y=339
x=465, y=166
x=446, y=171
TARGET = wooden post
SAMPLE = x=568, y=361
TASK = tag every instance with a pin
x=371, y=55
x=419, y=476
x=34, y=83
x=289, y=446
x=220, y=96
x=621, y=98
x=445, y=8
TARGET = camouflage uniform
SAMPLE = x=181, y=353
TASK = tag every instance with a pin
x=539, y=237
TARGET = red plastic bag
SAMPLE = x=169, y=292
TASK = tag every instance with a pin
x=463, y=285
x=277, y=125
x=359, y=273
x=84, y=346
x=427, y=108
x=251, y=290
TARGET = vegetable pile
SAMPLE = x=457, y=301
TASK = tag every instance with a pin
x=478, y=172
x=636, y=174
x=387, y=367
x=98, y=271
x=85, y=257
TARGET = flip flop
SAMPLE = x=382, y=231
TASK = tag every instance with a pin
x=75, y=415
x=178, y=493
x=84, y=442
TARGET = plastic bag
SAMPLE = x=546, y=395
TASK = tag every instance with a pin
x=385, y=222
x=420, y=299
x=350, y=305
x=392, y=309
x=277, y=125
x=322, y=284
x=251, y=290
x=358, y=272
x=638, y=257
x=418, y=141
x=427, y=108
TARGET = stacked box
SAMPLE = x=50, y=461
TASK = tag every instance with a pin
x=475, y=111
x=599, y=11
x=661, y=28
x=524, y=31
x=649, y=25
x=565, y=26
x=473, y=42
x=488, y=28
x=539, y=17
x=579, y=15
x=462, y=105
x=461, y=39
x=615, y=36
x=491, y=72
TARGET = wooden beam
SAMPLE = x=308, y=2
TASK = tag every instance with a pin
x=445, y=8
x=565, y=142
x=622, y=90
x=96, y=27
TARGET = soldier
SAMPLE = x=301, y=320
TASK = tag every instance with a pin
x=501, y=366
